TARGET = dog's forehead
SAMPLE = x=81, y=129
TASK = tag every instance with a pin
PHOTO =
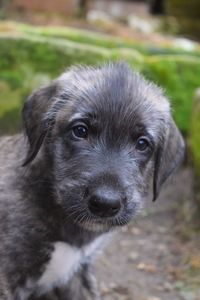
x=112, y=82
x=115, y=94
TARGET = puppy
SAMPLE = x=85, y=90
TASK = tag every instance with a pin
x=97, y=140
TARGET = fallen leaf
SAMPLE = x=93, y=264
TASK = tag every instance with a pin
x=146, y=267
x=176, y=272
x=195, y=262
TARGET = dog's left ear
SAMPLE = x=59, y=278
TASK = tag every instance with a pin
x=168, y=157
x=33, y=114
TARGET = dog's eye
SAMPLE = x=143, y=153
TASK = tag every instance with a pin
x=142, y=144
x=80, y=131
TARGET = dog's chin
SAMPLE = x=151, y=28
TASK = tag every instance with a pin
x=82, y=217
x=100, y=227
x=103, y=224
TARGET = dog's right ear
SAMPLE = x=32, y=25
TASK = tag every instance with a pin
x=33, y=115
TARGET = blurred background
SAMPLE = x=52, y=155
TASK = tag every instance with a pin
x=156, y=257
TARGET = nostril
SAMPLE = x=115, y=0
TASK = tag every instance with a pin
x=104, y=207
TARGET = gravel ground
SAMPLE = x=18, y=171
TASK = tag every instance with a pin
x=143, y=261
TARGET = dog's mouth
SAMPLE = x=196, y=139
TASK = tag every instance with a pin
x=101, y=224
x=84, y=219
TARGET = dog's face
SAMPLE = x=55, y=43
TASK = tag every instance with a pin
x=108, y=135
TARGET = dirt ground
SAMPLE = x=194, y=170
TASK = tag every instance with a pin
x=146, y=260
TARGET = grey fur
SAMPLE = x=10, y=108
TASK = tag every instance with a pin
x=46, y=200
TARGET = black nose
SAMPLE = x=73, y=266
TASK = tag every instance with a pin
x=105, y=202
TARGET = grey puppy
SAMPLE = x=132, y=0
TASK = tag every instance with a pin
x=98, y=138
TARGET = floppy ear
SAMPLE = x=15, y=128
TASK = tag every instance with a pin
x=35, y=125
x=168, y=157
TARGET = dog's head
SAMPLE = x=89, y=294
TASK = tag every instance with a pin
x=108, y=135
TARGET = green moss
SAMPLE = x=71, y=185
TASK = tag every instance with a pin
x=9, y=98
x=195, y=150
x=29, y=61
x=13, y=78
x=46, y=55
x=179, y=77
x=195, y=138
x=98, y=39
x=9, y=108
x=10, y=121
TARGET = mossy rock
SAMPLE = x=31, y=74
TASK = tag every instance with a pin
x=195, y=136
x=46, y=54
x=9, y=108
x=179, y=76
x=10, y=121
x=30, y=61
x=86, y=37
x=195, y=150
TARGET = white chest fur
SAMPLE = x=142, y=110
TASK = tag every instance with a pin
x=65, y=261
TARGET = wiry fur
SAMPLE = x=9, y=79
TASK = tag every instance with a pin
x=45, y=184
